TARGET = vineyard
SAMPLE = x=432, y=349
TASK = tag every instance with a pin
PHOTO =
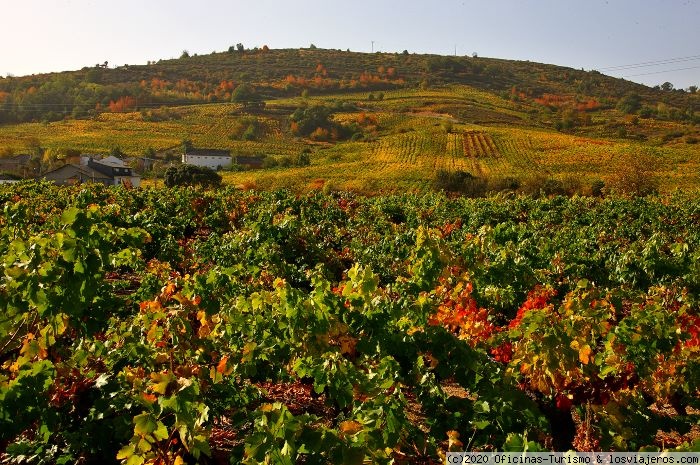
x=405, y=136
x=179, y=326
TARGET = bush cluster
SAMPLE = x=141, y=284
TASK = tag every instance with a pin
x=191, y=175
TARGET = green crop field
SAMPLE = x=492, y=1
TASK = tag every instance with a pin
x=184, y=325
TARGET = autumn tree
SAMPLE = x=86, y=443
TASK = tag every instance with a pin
x=246, y=94
x=122, y=104
x=633, y=172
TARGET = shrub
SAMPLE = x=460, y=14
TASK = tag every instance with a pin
x=553, y=186
x=460, y=181
x=597, y=187
x=508, y=183
x=247, y=128
x=633, y=173
x=630, y=103
x=191, y=175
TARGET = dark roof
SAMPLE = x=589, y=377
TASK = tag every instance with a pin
x=16, y=160
x=208, y=153
x=109, y=168
x=85, y=171
x=111, y=164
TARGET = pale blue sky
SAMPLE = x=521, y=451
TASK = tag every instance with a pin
x=55, y=35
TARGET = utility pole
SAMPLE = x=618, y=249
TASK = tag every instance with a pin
x=372, y=46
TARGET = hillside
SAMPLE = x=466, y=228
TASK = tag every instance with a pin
x=395, y=120
x=212, y=77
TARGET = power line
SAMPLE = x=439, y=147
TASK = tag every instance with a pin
x=652, y=63
x=662, y=72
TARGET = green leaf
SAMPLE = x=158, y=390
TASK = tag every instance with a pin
x=126, y=452
x=481, y=424
x=79, y=267
x=69, y=215
x=353, y=456
x=161, y=432
x=144, y=424
x=143, y=445
x=135, y=460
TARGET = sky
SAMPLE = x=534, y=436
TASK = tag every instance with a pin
x=661, y=37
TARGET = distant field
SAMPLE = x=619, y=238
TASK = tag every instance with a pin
x=417, y=133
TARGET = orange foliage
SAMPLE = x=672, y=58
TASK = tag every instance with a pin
x=227, y=86
x=367, y=78
x=183, y=85
x=460, y=313
x=320, y=134
x=588, y=105
x=122, y=104
x=515, y=93
x=158, y=84
x=559, y=101
x=3, y=96
x=317, y=184
x=363, y=119
x=552, y=100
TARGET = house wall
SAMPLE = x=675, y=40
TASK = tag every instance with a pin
x=212, y=162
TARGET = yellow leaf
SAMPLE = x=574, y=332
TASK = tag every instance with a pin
x=347, y=345
x=161, y=382
x=453, y=442
x=350, y=427
x=178, y=461
x=584, y=354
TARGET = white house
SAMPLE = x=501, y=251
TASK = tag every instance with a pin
x=208, y=158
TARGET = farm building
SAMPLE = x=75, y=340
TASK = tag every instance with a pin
x=18, y=164
x=76, y=174
x=208, y=158
x=104, y=172
x=115, y=169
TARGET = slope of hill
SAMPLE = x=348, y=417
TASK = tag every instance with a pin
x=396, y=119
x=213, y=77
